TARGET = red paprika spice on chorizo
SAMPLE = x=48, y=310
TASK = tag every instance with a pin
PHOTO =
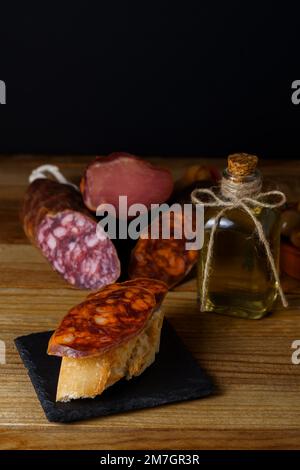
x=158, y=288
x=167, y=260
x=103, y=322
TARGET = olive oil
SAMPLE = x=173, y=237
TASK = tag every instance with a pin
x=241, y=282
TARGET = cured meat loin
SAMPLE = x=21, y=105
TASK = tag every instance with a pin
x=122, y=174
x=113, y=334
x=56, y=221
x=167, y=260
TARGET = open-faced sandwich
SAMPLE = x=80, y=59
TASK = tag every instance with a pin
x=114, y=333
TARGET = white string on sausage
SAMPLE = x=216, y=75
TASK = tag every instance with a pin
x=41, y=172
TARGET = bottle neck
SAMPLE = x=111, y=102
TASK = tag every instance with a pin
x=233, y=187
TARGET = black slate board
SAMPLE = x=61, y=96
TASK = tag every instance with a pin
x=175, y=376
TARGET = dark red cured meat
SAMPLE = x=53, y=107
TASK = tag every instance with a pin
x=119, y=174
x=56, y=221
x=158, y=288
x=103, y=323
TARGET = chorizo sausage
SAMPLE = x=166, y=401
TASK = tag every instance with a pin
x=102, y=323
x=56, y=221
x=167, y=260
x=158, y=288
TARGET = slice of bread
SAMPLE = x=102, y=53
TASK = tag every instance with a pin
x=89, y=377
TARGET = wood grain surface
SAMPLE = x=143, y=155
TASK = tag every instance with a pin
x=257, y=402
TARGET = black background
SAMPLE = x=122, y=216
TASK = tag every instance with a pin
x=165, y=78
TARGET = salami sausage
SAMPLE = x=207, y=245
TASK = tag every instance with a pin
x=103, y=323
x=167, y=260
x=56, y=221
x=122, y=174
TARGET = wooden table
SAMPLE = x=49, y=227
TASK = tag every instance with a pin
x=257, y=404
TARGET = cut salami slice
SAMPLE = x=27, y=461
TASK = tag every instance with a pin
x=56, y=221
x=122, y=174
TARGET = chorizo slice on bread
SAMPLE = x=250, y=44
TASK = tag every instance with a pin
x=109, y=336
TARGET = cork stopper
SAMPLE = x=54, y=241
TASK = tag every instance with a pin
x=241, y=164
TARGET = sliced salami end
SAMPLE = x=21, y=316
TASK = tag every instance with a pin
x=71, y=244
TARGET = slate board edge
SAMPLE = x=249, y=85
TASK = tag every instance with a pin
x=34, y=377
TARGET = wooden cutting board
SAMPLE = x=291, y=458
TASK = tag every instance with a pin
x=257, y=403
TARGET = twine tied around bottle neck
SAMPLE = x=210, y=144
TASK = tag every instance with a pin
x=242, y=195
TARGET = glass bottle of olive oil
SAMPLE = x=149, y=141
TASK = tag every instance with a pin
x=241, y=282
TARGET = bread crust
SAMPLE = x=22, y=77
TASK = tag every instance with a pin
x=89, y=377
x=114, y=334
